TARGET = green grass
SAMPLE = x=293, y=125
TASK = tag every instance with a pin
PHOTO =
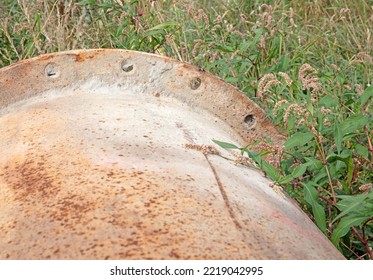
x=309, y=64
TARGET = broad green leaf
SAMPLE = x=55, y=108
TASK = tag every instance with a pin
x=225, y=145
x=362, y=150
x=351, y=198
x=368, y=93
x=37, y=22
x=314, y=163
x=268, y=168
x=244, y=46
x=366, y=200
x=320, y=175
x=344, y=156
x=311, y=197
x=319, y=215
x=344, y=227
x=298, y=139
x=353, y=123
x=299, y=170
x=286, y=179
x=231, y=80
x=328, y=101
x=338, y=137
x=350, y=170
x=283, y=64
x=258, y=34
x=347, y=206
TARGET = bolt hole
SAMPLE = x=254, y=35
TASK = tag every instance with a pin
x=249, y=120
x=195, y=83
x=51, y=71
x=126, y=66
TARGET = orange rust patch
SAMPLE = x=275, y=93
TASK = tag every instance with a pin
x=31, y=177
x=102, y=212
x=46, y=57
x=79, y=57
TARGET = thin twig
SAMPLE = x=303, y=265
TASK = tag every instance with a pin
x=364, y=242
x=369, y=142
x=349, y=249
x=363, y=227
x=324, y=161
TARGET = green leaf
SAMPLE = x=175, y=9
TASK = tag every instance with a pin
x=107, y=5
x=164, y=25
x=353, y=123
x=338, y=137
x=37, y=23
x=311, y=197
x=368, y=93
x=155, y=32
x=244, y=46
x=224, y=48
x=231, y=79
x=345, y=157
x=299, y=170
x=283, y=64
x=349, y=204
x=350, y=170
x=314, y=163
x=328, y=101
x=268, y=168
x=286, y=179
x=298, y=139
x=320, y=176
x=225, y=145
x=362, y=150
x=344, y=227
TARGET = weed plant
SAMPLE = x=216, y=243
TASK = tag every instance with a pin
x=308, y=63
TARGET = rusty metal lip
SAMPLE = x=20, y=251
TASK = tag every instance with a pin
x=258, y=126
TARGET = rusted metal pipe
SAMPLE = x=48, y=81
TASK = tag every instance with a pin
x=108, y=154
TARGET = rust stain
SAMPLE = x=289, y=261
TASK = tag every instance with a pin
x=30, y=178
x=46, y=57
x=79, y=57
x=139, y=211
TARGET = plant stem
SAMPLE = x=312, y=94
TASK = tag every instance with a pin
x=369, y=142
x=364, y=242
x=324, y=161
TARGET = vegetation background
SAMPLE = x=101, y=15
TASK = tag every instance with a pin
x=308, y=63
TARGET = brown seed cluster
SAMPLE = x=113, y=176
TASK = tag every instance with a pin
x=277, y=189
x=295, y=110
x=310, y=81
x=365, y=188
x=240, y=159
x=205, y=149
x=267, y=81
x=286, y=78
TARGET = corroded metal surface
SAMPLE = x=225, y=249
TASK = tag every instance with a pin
x=94, y=164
